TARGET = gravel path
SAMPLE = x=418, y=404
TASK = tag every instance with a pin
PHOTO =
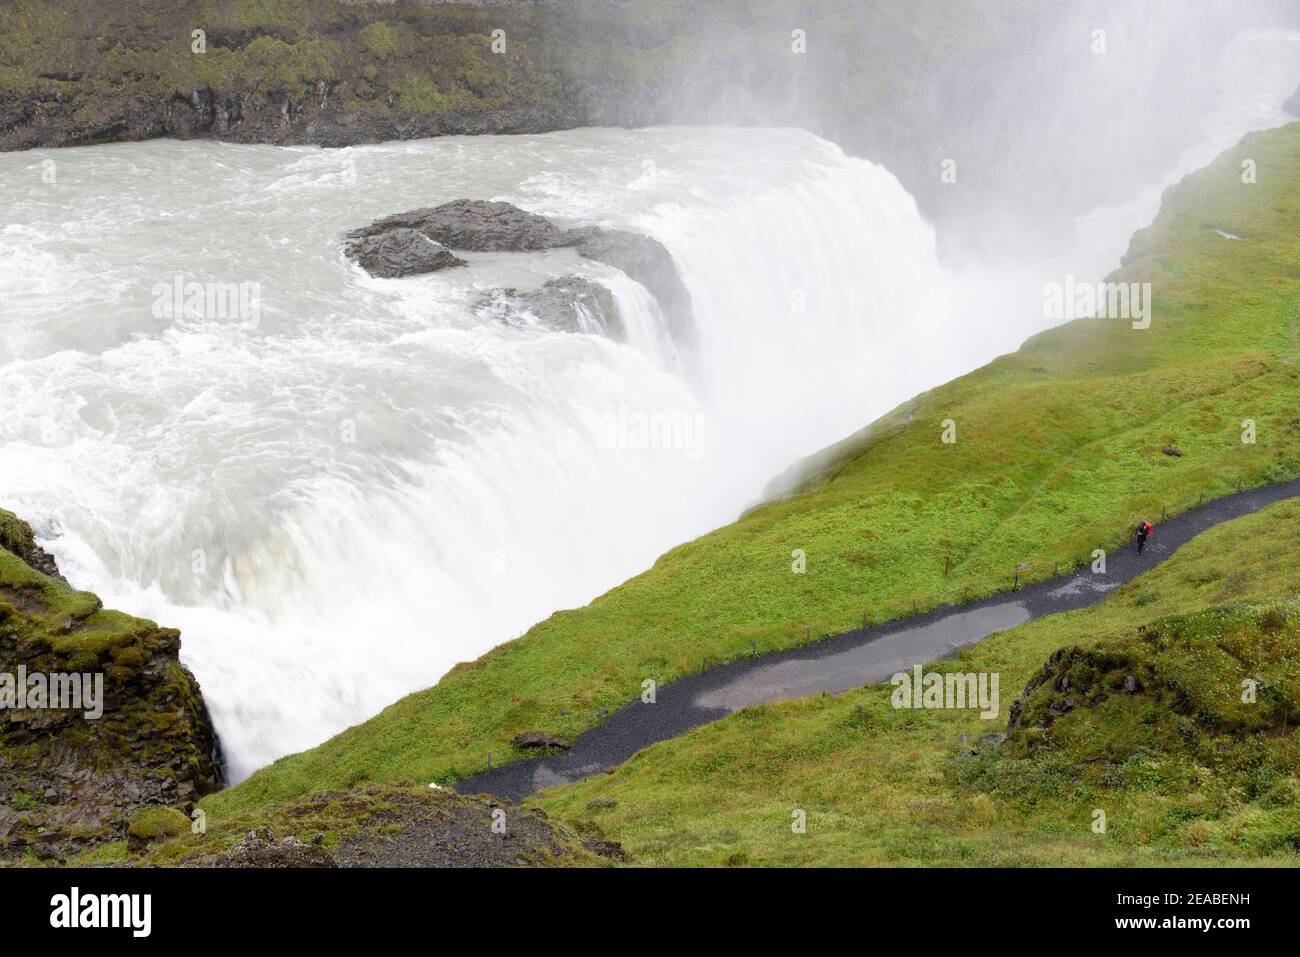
x=853, y=659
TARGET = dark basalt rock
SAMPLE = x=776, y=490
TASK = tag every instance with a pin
x=474, y=225
x=401, y=252
x=648, y=262
x=483, y=226
x=567, y=304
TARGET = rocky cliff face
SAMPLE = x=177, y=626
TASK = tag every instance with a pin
x=340, y=73
x=98, y=718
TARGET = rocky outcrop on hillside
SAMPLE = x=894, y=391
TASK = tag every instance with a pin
x=395, y=825
x=98, y=717
x=16, y=536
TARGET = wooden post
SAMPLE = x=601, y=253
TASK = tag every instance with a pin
x=489, y=760
x=947, y=565
x=1164, y=510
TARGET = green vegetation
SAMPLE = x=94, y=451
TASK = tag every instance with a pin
x=1185, y=772
x=157, y=824
x=1059, y=450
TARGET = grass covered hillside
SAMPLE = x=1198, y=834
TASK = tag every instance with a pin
x=1183, y=769
x=1059, y=449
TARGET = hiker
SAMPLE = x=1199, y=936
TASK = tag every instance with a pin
x=1144, y=529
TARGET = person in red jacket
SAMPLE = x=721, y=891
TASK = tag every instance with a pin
x=1144, y=530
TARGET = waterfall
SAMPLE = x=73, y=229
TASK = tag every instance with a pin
x=370, y=481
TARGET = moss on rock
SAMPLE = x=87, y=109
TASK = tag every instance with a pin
x=155, y=824
x=71, y=778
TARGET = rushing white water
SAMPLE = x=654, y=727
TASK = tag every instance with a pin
x=338, y=502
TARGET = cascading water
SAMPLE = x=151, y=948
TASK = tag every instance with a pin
x=371, y=481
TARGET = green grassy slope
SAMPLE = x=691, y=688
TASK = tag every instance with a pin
x=1059, y=449
x=1184, y=771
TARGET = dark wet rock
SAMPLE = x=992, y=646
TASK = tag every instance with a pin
x=540, y=739
x=1173, y=451
x=474, y=225
x=1130, y=684
x=567, y=304
x=401, y=252
x=481, y=226
x=648, y=262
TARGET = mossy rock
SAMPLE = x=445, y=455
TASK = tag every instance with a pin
x=155, y=824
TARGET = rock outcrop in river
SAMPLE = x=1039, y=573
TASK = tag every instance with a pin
x=70, y=778
x=401, y=252
x=570, y=304
x=567, y=304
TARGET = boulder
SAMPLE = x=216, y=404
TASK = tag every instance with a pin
x=567, y=304
x=483, y=226
x=648, y=262
x=155, y=824
x=1292, y=105
x=474, y=225
x=401, y=252
x=533, y=740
